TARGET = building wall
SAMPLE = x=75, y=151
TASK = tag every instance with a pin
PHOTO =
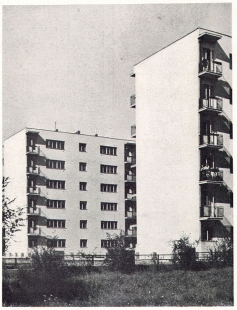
x=71, y=194
x=167, y=88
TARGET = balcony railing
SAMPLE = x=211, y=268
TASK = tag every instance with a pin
x=211, y=139
x=212, y=103
x=131, y=214
x=211, y=211
x=130, y=196
x=133, y=101
x=35, y=231
x=131, y=232
x=33, y=190
x=34, y=150
x=210, y=68
x=33, y=170
x=133, y=131
x=213, y=174
x=130, y=159
x=33, y=211
x=130, y=177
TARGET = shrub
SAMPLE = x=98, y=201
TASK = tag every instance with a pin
x=184, y=256
x=221, y=254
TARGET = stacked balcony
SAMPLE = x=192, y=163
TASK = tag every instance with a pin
x=214, y=104
x=133, y=101
x=210, y=69
x=212, y=140
x=133, y=131
x=211, y=212
x=211, y=175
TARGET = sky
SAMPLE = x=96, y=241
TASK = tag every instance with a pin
x=71, y=64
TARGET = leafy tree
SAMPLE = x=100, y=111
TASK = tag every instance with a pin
x=11, y=218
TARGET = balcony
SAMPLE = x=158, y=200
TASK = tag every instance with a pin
x=130, y=196
x=130, y=178
x=211, y=212
x=133, y=131
x=33, y=170
x=130, y=160
x=131, y=214
x=33, y=191
x=32, y=150
x=212, y=175
x=131, y=232
x=133, y=101
x=34, y=231
x=210, y=69
x=209, y=37
x=212, y=140
x=214, y=104
x=33, y=211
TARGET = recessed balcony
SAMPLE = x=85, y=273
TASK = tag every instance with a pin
x=130, y=196
x=133, y=101
x=211, y=175
x=33, y=191
x=33, y=211
x=130, y=178
x=133, y=131
x=131, y=215
x=130, y=160
x=33, y=170
x=212, y=140
x=32, y=150
x=34, y=231
x=211, y=212
x=214, y=104
x=210, y=69
x=131, y=232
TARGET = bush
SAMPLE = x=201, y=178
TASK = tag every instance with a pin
x=221, y=255
x=184, y=256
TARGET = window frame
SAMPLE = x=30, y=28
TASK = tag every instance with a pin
x=83, y=243
x=83, y=224
x=82, y=147
x=83, y=205
x=83, y=186
x=55, y=144
x=82, y=166
x=108, y=150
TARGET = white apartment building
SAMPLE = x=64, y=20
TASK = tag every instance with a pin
x=184, y=142
x=74, y=189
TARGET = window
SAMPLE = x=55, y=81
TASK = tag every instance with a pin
x=55, y=164
x=108, y=206
x=220, y=212
x=108, y=150
x=82, y=166
x=108, y=169
x=111, y=188
x=82, y=186
x=108, y=225
x=83, y=243
x=230, y=61
x=55, y=144
x=83, y=224
x=32, y=243
x=82, y=147
x=56, y=243
x=83, y=205
x=56, y=223
x=55, y=184
x=56, y=204
x=109, y=243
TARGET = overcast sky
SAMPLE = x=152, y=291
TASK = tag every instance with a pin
x=71, y=64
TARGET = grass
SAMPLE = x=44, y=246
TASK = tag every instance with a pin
x=212, y=287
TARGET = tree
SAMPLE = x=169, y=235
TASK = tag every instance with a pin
x=11, y=218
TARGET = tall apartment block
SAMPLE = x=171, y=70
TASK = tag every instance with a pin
x=184, y=143
x=74, y=189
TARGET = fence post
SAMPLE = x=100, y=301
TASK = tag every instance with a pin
x=15, y=262
x=92, y=260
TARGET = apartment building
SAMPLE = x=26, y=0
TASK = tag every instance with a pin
x=184, y=143
x=74, y=189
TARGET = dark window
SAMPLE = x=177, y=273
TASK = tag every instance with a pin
x=111, y=188
x=108, y=225
x=55, y=144
x=83, y=224
x=56, y=243
x=83, y=243
x=109, y=243
x=56, y=204
x=56, y=223
x=108, y=206
x=55, y=164
x=83, y=205
x=55, y=184
x=108, y=169
x=82, y=147
x=230, y=61
x=82, y=166
x=108, y=150
x=82, y=186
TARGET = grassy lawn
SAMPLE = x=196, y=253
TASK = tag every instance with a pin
x=165, y=288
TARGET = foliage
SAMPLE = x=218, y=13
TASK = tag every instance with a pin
x=183, y=253
x=222, y=253
x=119, y=258
x=11, y=218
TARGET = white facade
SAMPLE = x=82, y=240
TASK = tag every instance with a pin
x=169, y=122
x=45, y=166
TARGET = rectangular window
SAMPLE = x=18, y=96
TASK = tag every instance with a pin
x=82, y=166
x=56, y=184
x=109, y=243
x=220, y=212
x=83, y=243
x=82, y=186
x=55, y=144
x=83, y=205
x=82, y=147
x=56, y=243
x=55, y=164
x=108, y=169
x=230, y=61
x=56, y=204
x=56, y=223
x=110, y=188
x=83, y=224
x=108, y=206
x=108, y=150
x=108, y=225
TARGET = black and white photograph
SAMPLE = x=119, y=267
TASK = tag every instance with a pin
x=117, y=154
